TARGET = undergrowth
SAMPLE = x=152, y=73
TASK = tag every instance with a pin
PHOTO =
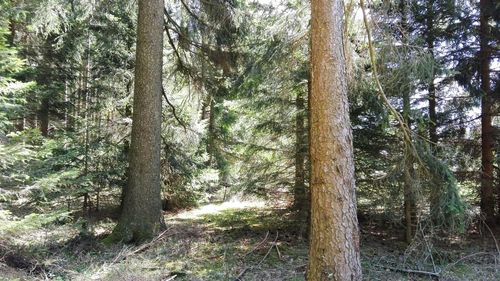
x=217, y=242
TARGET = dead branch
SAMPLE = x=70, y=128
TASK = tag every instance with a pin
x=258, y=245
x=139, y=249
x=464, y=258
x=421, y=272
x=246, y=269
x=173, y=109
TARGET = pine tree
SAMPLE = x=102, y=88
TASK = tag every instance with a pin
x=334, y=237
x=141, y=213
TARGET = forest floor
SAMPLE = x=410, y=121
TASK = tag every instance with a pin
x=227, y=241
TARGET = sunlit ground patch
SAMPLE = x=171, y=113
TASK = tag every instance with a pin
x=218, y=208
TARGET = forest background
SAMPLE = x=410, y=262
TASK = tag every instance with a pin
x=424, y=106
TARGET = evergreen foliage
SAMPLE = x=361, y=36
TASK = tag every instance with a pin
x=236, y=79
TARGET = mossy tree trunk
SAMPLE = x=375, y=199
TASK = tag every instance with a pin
x=141, y=214
x=334, y=235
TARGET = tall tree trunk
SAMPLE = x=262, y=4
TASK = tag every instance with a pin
x=334, y=235
x=430, y=41
x=409, y=194
x=87, y=204
x=436, y=189
x=300, y=199
x=487, y=140
x=212, y=136
x=410, y=205
x=498, y=178
x=141, y=215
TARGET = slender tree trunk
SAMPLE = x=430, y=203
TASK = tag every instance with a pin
x=87, y=201
x=334, y=236
x=409, y=194
x=67, y=107
x=86, y=197
x=43, y=116
x=498, y=179
x=299, y=192
x=410, y=207
x=12, y=43
x=436, y=189
x=12, y=32
x=212, y=136
x=301, y=198
x=487, y=140
x=430, y=40
x=141, y=215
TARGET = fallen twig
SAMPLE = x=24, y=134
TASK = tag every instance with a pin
x=143, y=247
x=258, y=245
x=464, y=258
x=238, y=278
x=246, y=269
x=429, y=273
x=278, y=250
x=149, y=244
x=170, y=278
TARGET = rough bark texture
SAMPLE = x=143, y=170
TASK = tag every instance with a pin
x=487, y=140
x=141, y=215
x=334, y=236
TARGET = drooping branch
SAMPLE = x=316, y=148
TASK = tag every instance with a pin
x=405, y=129
x=173, y=109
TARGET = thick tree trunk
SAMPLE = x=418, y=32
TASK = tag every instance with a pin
x=141, y=215
x=334, y=236
x=487, y=140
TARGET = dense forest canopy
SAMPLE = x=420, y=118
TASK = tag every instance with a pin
x=314, y=123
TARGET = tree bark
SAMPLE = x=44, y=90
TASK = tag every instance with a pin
x=141, y=215
x=334, y=236
x=487, y=140
x=300, y=191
